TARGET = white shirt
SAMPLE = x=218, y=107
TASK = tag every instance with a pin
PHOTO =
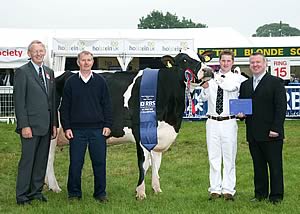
x=257, y=79
x=37, y=70
x=230, y=85
x=87, y=78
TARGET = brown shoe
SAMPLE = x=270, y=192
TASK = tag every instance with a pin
x=102, y=199
x=228, y=197
x=214, y=196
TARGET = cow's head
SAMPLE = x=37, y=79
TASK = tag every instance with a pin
x=192, y=64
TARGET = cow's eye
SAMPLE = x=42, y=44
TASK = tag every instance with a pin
x=184, y=60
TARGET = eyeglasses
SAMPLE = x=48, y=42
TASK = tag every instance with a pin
x=38, y=52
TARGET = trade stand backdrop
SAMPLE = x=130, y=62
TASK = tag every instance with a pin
x=124, y=49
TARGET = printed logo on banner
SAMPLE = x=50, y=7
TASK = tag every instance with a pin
x=147, y=104
x=293, y=101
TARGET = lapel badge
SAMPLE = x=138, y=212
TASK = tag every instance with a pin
x=47, y=76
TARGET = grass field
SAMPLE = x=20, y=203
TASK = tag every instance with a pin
x=184, y=178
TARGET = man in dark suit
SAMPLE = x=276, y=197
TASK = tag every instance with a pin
x=34, y=98
x=265, y=128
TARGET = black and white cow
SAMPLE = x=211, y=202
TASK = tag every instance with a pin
x=170, y=105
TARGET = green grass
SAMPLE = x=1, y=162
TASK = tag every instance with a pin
x=184, y=178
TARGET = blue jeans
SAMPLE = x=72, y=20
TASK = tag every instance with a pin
x=96, y=143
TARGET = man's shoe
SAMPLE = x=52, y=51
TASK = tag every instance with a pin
x=275, y=201
x=74, y=198
x=41, y=198
x=257, y=199
x=102, y=199
x=23, y=203
x=228, y=197
x=214, y=196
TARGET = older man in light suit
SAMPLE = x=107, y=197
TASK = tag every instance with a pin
x=34, y=98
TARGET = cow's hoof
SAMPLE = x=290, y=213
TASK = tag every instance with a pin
x=55, y=189
x=140, y=196
x=156, y=190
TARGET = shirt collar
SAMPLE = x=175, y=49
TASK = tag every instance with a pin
x=36, y=66
x=228, y=73
x=259, y=77
x=85, y=79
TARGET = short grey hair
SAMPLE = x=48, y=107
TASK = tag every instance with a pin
x=84, y=53
x=36, y=42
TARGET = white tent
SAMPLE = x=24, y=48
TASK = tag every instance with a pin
x=128, y=43
x=14, y=43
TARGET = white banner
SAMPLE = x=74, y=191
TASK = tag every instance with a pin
x=157, y=46
x=12, y=54
x=136, y=47
x=281, y=68
x=95, y=46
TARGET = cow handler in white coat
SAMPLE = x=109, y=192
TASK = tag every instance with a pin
x=221, y=128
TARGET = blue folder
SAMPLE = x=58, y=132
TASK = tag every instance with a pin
x=240, y=106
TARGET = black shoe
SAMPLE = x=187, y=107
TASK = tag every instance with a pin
x=275, y=201
x=102, y=199
x=257, y=199
x=23, y=203
x=74, y=198
x=41, y=198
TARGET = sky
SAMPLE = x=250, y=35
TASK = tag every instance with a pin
x=245, y=16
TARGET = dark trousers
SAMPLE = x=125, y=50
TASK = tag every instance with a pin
x=267, y=155
x=96, y=143
x=32, y=167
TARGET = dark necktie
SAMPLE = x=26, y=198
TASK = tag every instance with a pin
x=219, y=101
x=41, y=77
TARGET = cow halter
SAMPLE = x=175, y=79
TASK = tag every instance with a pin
x=190, y=77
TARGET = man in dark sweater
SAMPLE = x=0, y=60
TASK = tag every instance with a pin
x=86, y=117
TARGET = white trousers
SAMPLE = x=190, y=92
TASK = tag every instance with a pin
x=221, y=137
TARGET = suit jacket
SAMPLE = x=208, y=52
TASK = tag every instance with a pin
x=269, y=105
x=34, y=106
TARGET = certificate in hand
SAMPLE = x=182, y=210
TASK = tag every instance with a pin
x=240, y=106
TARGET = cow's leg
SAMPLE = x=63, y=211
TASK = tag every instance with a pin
x=50, y=178
x=143, y=164
x=156, y=161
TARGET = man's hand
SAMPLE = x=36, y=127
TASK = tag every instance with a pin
x=26, y=132
x=106, y=131
x=273, y=134
x=69, y=134
x=240, y=115
x=205, y=85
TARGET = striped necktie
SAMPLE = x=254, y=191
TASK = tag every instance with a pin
x=41, y=77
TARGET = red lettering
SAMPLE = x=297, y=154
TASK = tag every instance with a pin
x=8, y=52
x=278, y=63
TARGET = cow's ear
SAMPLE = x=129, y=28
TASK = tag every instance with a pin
x=168, y=61
x=206, y=56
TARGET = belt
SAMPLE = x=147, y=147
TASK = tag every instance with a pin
x=220, y=118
